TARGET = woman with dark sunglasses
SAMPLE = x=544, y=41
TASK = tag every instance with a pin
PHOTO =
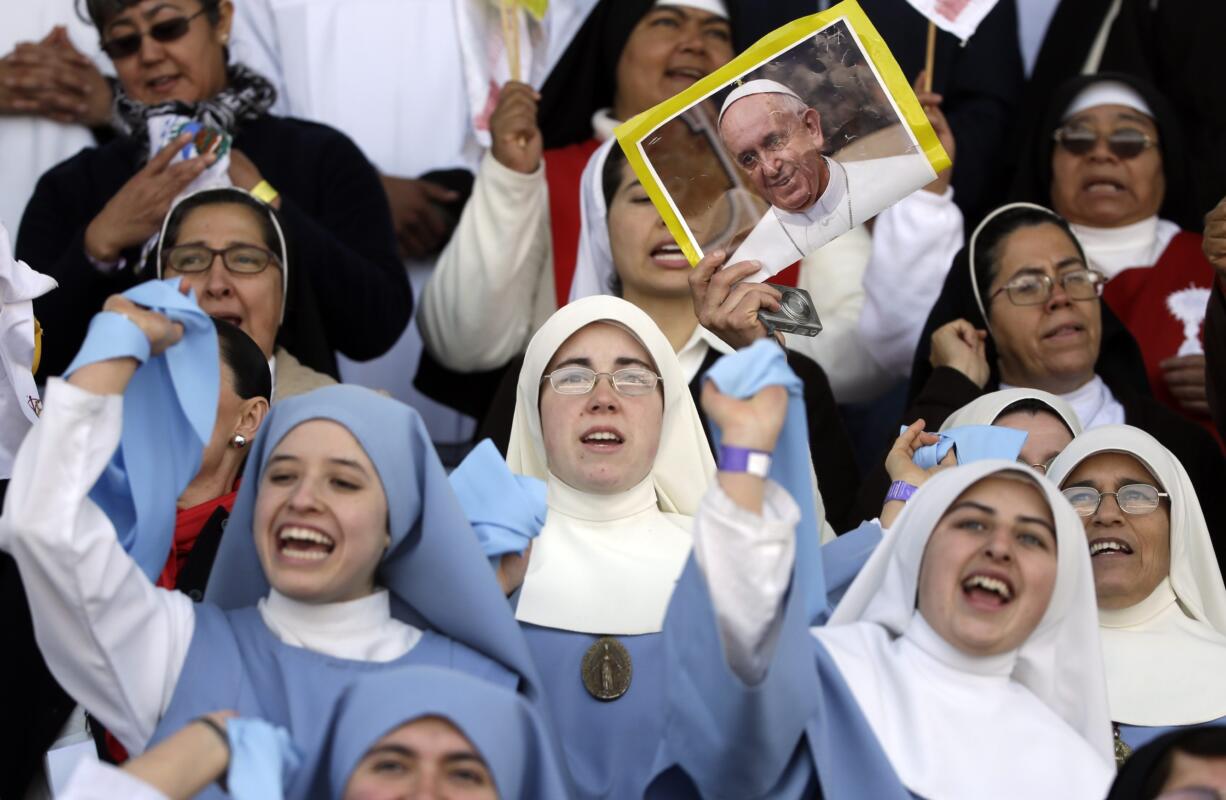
x=1161, y=600
x=93, y=218
x=1111, y=161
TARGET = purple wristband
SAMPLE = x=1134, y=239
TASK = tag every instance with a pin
x=900, y=490
x=742, y=459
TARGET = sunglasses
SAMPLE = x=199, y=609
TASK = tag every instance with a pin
x=1124, y=143
x=168, y=30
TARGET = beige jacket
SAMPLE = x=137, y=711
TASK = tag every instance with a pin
x=291, y=378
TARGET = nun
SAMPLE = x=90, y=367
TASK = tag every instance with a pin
x=1049, y=422
x=346, y=555
x=229, y=247
x=434, y=730
x=961, y=662
x=1161, y=600
x=1027, y=313
x=413, y=732
x=1110, y=158
x=604, y=417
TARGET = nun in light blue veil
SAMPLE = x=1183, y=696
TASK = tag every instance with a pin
x=505, y=729
x=434, y=571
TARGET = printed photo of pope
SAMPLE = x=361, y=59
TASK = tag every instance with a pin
x=776, y=140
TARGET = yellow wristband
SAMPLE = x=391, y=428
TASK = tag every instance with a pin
x=264, y=192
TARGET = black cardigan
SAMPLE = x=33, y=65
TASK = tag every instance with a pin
x=947, y=390
x=348, y=288
x=1215, y=356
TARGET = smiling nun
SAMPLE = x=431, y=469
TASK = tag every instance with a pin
x=961, y=663
x=346, y=555
x=1161, y=601
x=626, y=465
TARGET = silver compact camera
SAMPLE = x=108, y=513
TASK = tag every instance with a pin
x=796, y=313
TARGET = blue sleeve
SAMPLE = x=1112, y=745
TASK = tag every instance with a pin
x=734, y=740
x=843, y=559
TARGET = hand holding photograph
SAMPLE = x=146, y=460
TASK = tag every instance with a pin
x=809, y=133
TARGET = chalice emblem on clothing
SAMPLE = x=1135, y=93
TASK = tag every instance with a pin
x=1188, y=306
x=606, y=669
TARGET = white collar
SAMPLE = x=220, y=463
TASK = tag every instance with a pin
x=604, y=564
x=920, y=635
x=969, y=713
x=603, y=124
x=826, y=205
x=1163, y=666
x=1113, y=250
x=1158, y=600
x=694, y=351
x=1094, y=403
x=358, y=630
x=567, y=501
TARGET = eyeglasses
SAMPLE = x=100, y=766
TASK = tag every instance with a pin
x=1040, y=468
x=631, y=381
x=1124, y=143
x=244, y=259
x=1135, y=498
x=1033, y=289
x=168, y=30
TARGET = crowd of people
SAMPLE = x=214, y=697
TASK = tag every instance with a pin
x=365, y=433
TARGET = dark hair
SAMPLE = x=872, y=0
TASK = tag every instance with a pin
x=215, y=197
x=1033, y=406
x=610, y=179
x=611, y=175
x=101, y=12
x=252, y=377
x=991, y=239
x=1207, y=742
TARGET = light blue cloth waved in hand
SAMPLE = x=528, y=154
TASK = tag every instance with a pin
x=170, y=405
x=743, y=374
x=262, y=759
x=506, y=510
x=971, y=443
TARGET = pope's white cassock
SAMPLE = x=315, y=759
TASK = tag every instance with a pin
x=855, y=192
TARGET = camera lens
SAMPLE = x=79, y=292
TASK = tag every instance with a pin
x=794, y=305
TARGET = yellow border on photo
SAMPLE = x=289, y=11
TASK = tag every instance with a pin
x=631, y=133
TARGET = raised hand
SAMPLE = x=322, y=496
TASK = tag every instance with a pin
x=753, y=423
x=159, y=329
x=516, y=140
x=136, y=211
x=960, y=345
x=726, y=304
